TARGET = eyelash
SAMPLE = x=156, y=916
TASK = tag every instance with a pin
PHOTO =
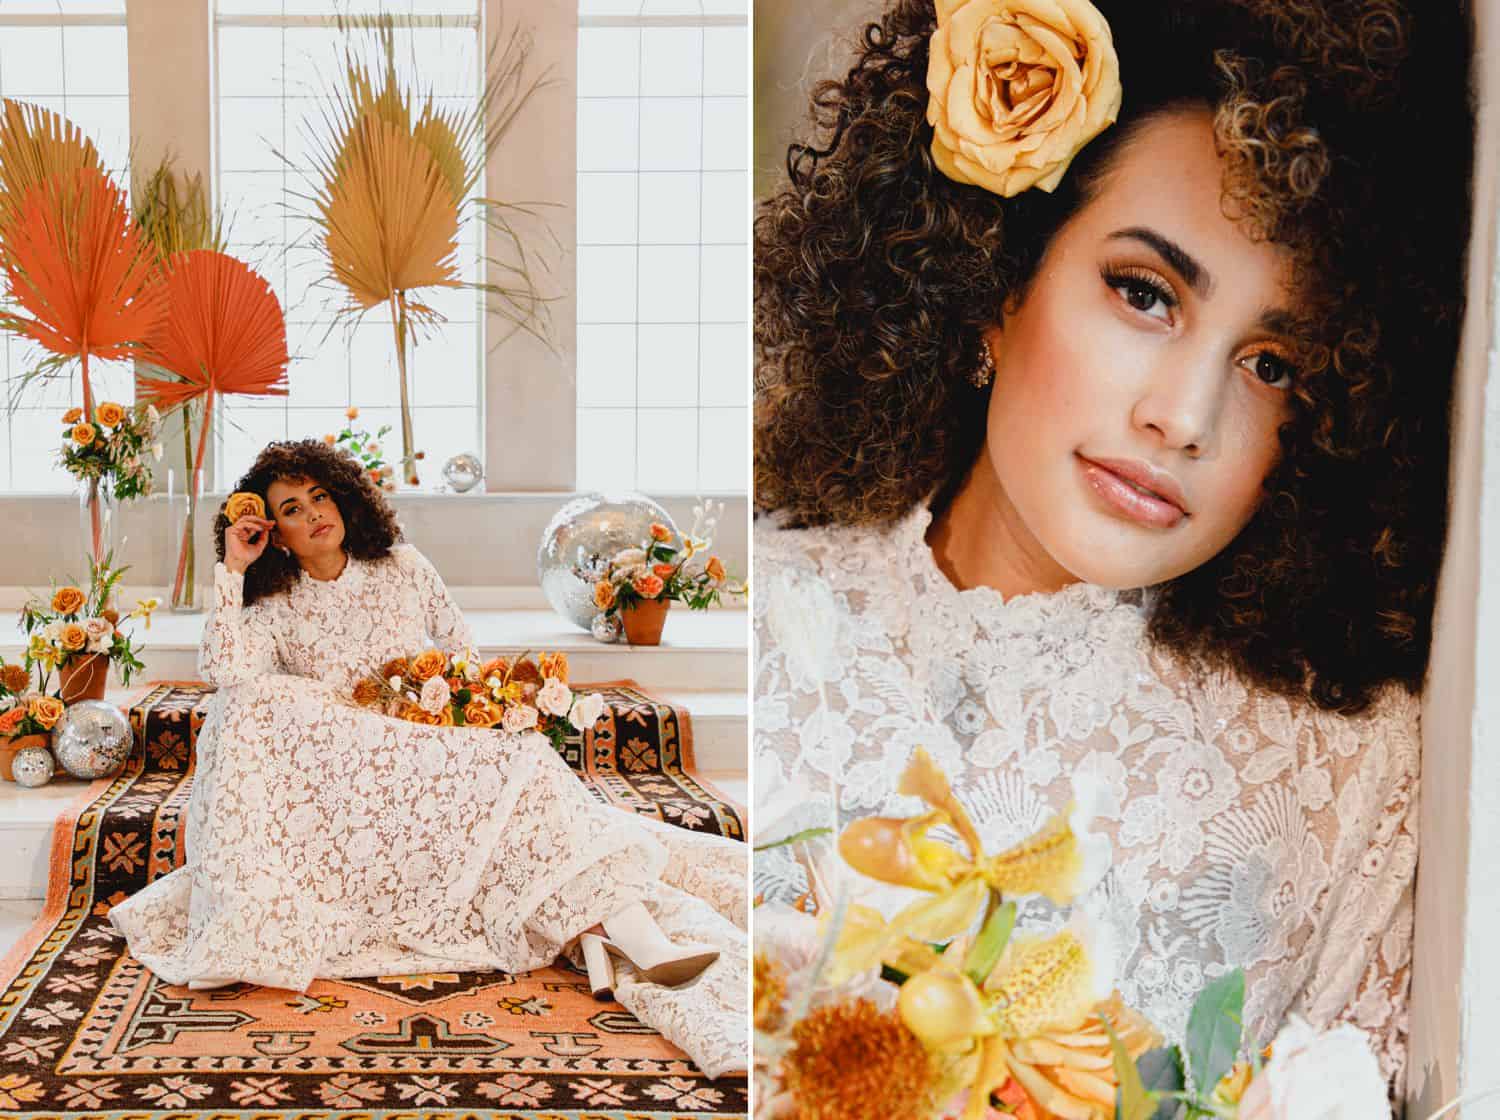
x=298, y=508
x=1136, y=280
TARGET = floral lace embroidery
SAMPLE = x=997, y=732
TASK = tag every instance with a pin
x=325, y=840
x=1247, y=830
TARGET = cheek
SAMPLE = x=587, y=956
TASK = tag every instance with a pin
x=1252, y=449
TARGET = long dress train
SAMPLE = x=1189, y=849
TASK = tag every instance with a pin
x=327, y=840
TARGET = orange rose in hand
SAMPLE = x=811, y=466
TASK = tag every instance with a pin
x=47, y=710
x=428, y=664
x=244, y=504
x=67, y=600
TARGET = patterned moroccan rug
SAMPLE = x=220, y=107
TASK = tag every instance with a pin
x=87, y=1031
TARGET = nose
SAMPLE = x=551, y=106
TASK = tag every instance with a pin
x=1181, y=400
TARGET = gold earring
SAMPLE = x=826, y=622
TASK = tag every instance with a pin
x=984, y=372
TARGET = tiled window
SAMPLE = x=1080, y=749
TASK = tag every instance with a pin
x=274, y=62
x=663, y=254
x=70, y=57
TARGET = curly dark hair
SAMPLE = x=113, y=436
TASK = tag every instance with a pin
x=875, y=273
x=370, y=527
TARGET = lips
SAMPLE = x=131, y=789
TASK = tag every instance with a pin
x=321, y=529
x=1137, y=491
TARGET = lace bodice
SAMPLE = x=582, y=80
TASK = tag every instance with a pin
x=1247, y=830
x=331, y=630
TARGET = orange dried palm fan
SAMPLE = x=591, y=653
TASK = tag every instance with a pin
x=224, y=332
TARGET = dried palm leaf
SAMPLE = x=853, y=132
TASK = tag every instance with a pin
x=173, y=221
x=38, y=145
x=224, y=332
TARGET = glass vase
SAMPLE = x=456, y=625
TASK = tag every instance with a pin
x=182, y=504
x=98, y=518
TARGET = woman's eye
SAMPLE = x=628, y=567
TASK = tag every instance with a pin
x=1272, y=369
x=1144, y=295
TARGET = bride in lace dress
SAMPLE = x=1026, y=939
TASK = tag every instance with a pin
x=1139, y=478
x=327, y=840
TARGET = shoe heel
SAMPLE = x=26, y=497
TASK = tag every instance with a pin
x=601, y=970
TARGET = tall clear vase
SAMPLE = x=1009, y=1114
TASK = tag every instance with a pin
x=98, y=516
x=182, y=502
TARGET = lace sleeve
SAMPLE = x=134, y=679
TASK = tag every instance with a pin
x=445, y=622
x=237, y=643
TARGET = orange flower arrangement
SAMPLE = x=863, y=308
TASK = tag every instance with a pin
x=67, y=600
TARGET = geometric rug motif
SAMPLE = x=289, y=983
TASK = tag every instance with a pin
x=87, y=1031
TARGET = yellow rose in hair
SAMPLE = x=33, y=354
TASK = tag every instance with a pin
x=83, y=434
x=1017, y=88
x=109, y=413
x=244, y=504
x=67, y=600
x=47, y=710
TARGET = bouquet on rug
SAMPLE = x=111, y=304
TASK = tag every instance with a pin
x=523, y=694
x=74, y=626
x=920, y=1016
x=660, y=569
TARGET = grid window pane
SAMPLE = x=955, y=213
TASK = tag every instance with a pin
x=79, y=71
x=274, y=86
x=663, y=224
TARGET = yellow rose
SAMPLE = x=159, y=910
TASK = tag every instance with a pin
x=47, y=710
x=67, y=600
x=604, y=594
x=74, y=637
x=428, y=664
x=553, y=665
x=244, y=504
x=481, y=713
x=83, y=434
x=1017, y=88
x=73, y=415
x=109, y=413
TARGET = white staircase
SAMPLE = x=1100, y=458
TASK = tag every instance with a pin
x=701, y=665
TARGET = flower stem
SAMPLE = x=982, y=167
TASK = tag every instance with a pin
x=187, y=529
x=402, y=327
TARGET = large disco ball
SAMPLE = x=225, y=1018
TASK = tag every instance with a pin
x=579, y=541
x=92, y=740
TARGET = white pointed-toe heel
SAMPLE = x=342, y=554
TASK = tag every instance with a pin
x=208, y=983
x=634, y=936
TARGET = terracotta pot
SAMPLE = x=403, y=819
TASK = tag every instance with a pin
x=643, y=621
x=84, y=678
x=9, y=748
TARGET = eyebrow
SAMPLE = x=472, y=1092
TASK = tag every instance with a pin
x=1180, y=259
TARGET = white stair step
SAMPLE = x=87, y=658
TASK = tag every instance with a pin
x=701, y=650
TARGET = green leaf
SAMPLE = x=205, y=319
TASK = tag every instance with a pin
x=1132, y=1102
x=794, y=838
x=1213, y=1032
x=991, y=942
x=1161, y=1074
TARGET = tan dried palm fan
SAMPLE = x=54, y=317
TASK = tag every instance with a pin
x=38, y=145
x=396, y=176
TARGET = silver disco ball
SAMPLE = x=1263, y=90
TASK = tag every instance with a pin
x=579, y=542
x=607, y=627
x=33, y=766
x=92, y=740
x=463, y=472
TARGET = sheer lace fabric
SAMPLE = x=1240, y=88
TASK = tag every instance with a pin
x=326, y=840
x=1247, y=830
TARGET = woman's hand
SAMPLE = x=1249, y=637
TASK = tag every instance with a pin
x=245, y=540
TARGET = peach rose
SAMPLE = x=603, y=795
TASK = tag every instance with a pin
x=604, y=594
x=647, y=586
x=109, y=413
x=660, y=532
x=46, y=710
x=72, y=416
x=10, y=721
x=553, y=665
x=15, y=678
x=1017, y=88
x=715, y=569
x=481, y=713
x=663, y=570
x=428, y=664
x=74, y=637
x=366, y=692
x=242, y=503
x=67, y=600
x=83, y=434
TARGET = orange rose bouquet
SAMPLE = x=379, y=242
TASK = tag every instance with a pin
x=23, y=710
x=110, y=447
x=669, y=565
x=439, y=689
x=73, y=625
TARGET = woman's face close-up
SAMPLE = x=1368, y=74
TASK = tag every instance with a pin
x=307, y=518
x=1141, y=381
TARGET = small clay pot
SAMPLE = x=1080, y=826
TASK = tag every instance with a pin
x=9, y=748
x=83, y=678
x=643, y=621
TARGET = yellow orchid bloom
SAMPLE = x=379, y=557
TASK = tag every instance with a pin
x=1061, y=860
x=143, y=609
x=944, y=1008
x=1051, y=983
x=867, y=939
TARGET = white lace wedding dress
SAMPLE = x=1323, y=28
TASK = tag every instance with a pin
x=1247, y=830
x=326, y=840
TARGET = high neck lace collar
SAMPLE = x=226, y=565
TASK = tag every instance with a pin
x=350, y=577
x=990, y=610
